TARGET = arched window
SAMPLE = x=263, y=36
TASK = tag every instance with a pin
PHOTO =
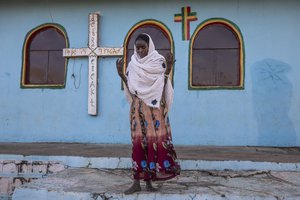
x=216, y=56
x=159, y=33
x=43, y=61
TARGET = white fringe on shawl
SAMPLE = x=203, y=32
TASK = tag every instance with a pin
x=145, y=78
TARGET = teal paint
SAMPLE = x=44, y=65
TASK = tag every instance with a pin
x=270, y=29
x=272, y=95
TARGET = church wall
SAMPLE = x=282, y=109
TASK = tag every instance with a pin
x=265, y=112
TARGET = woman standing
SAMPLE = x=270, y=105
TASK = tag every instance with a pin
x=150, y=92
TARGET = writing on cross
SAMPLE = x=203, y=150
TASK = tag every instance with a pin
x=186, y=16
x=93, y=51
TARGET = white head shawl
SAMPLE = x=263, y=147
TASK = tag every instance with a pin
x=145, y=78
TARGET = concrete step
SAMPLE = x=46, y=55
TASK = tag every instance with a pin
x=16, y=170
x=100, y=184
x=23, y=163
x=115, y=156
x=209, y=153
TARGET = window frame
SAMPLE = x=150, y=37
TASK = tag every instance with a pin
x=162, y=27
x=27, y=42
x=234, y=28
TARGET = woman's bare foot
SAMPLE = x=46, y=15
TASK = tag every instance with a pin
x=149, y=187
x=136, y=187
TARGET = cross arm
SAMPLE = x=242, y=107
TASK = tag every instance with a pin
x=76, y=52
x=109, y=51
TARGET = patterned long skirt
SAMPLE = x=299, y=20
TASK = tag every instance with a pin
x=153, y=154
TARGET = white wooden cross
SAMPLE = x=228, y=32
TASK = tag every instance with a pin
x=93, y=51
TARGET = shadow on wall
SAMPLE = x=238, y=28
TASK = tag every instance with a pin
x=272, y=93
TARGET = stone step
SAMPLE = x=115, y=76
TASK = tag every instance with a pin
x=18, y=169
x=100, y=184
x=23, y=162
x=125, y=163
x=209, y=153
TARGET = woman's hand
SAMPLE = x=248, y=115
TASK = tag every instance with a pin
x=170, y=62
x=119, y=65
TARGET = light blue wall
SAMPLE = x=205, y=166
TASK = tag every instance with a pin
x=266, y=112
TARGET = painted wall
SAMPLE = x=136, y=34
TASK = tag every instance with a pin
x=266, y=112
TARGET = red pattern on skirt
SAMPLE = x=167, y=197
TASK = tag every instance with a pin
x=153, y=154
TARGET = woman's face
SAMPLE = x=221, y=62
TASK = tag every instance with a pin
x=141, y=48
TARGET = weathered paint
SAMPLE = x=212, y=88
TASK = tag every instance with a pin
x=266, y=112
x=14, y=173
